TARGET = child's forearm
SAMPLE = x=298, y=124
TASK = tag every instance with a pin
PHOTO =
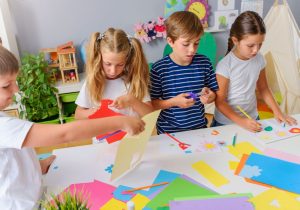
x=162, y=104
x=142, y=108
x=83, y=113
x=226, y=110
x=270, y=101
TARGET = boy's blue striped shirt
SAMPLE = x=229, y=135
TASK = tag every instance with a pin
x=169, y=80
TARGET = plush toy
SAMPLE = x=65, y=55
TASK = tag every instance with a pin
x=160, y=27
x=140, y=33
x=150, y=30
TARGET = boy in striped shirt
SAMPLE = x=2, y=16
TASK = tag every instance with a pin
x=182, y=82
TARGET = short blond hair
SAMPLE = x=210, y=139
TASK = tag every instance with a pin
x=8, y=62
x=183, y=23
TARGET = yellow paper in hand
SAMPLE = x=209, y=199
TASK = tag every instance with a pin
x=210, y=174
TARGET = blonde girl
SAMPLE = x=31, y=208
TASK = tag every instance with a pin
x=117, y=70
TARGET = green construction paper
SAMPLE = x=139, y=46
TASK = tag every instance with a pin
x=176, y=189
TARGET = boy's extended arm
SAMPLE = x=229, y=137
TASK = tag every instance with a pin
x=83, y=113
x=47, y=135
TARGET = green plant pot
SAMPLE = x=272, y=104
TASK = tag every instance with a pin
x=68, y=97
x=69, y=108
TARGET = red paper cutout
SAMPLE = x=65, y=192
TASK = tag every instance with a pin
x=105, y=111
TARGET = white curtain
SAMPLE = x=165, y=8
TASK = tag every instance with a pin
x=281, y=49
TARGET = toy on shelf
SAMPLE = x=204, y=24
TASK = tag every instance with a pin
x=67, y=62
x=140, y=33
x=160, y=27
x=62, y=59
x=150, y=29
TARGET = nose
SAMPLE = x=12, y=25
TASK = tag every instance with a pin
x=112, y=70
x=256, y=49
x=192, y=48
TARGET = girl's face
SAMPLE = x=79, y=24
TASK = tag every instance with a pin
x=184, y=49
x=8, y=87
x=249, y=46
x=113, y=64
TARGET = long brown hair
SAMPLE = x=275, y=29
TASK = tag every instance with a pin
x=136, y=72
x=247, y=23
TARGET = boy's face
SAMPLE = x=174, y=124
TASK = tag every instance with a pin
x=249, y=46
x=8, y=87
x=113, y=64
x=184, y=49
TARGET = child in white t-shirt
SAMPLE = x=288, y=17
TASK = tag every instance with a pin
x=20, y=170
x=117, y=70
x=240, y=72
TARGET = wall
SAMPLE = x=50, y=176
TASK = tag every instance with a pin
x=48, y=23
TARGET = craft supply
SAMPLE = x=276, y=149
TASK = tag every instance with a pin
x=146, y=187
x=234, y=139
x=181, y=144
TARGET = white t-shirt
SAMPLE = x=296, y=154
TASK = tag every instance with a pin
x=20, y=171
x=242, y=75
x=113, y=89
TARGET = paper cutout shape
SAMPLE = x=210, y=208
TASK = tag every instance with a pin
x=209, y=146
x=210, y=174
x=105, y=111
x=119, y=195
x=114, y=204
x=233, y=165
x=295, y=130
x=278, y=173
x=215, y=132
x=97, y=193
x=181, y=144
x=176, y=189
x=282, y=155
x=131, y=149
x=285, y=200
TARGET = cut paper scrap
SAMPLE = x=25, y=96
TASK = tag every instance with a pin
x=219, y=202
x=272, y=171
x=114, y=204
x=215, y=132
x=294, y=130
x=140, y=201
x=209, y=146
x=105, y=111
x=98, y=193
x=242, y=148
x=282, y=155
x=131, y=148
x=176, y=189
x=210, y=174
x=275, y=199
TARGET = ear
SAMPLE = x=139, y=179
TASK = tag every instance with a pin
x=234, y=40
x=170, y=41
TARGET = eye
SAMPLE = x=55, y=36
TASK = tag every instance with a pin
x=196, y=44
x=107, y=64
x=6, y=86
x=185, y=45
x=251, y=45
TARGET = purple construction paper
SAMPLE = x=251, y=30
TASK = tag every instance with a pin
x=238, y=203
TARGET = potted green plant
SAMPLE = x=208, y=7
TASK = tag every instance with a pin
x=38, y=95
x=67, y=201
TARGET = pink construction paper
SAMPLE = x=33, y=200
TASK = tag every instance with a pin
x=99, y=193
x=282, y=155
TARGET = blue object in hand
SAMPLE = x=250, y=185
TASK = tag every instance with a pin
x=192, y=95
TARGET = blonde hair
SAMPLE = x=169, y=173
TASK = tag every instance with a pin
x=136, y=71
x=8, y=62
x=183, y=23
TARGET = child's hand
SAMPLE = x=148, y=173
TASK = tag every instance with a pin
x=45, y=163
x=133, y=125
x=183, y=101
x=207, y=96
x=123, y=102
x=250, y=124
x=286, y=119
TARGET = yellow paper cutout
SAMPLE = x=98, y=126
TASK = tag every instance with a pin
x=132, y=148
x=233, y=165
x=210, y=174
x=140, y=201
x=114, y=204
x=242, y=148
x=269, y=199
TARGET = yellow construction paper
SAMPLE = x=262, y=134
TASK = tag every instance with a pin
x=233, y=165
x=210, y=174
x=132, y=148
x=140, y=201
x=242, y=148
x=114, y=204
x=275, y=199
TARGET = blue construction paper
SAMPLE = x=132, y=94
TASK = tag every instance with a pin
x=238, y=203
x=272, y=171
x=118, y=193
